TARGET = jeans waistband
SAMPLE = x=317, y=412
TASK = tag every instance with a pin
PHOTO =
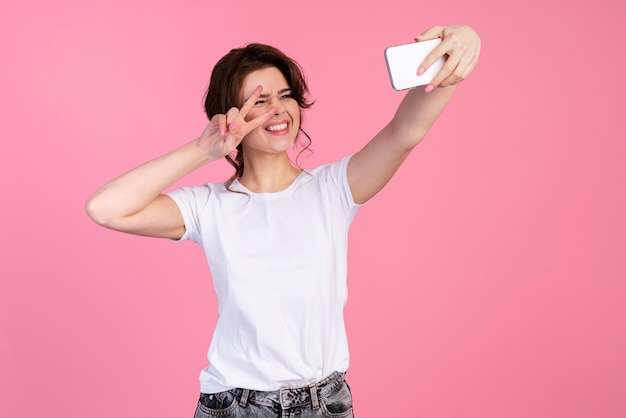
x=294, y=397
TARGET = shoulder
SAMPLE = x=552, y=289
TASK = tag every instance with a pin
x=198, y=194
x=335, y=169
x=332, y=181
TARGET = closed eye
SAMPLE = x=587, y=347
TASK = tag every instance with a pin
x=283, y=94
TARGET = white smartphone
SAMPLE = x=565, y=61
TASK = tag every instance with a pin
x=404, y=60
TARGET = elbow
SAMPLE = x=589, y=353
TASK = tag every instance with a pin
x=96, y=211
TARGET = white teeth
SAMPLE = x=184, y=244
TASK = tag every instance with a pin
x=277, y=127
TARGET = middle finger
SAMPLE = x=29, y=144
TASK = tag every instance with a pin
x=250, y=101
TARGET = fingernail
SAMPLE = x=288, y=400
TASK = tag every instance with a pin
x=232, y=126
x=222, y=131
x=420, y=70
x=417, y=38
x=429, y=88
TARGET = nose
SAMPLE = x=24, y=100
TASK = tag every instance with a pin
x=280, y=107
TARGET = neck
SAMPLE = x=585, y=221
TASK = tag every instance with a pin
x=268, y=173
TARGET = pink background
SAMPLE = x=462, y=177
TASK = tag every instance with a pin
x=487, y=280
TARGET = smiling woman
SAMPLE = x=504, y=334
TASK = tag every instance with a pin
x=277, y=135
x=275, y=236
x=232, y=84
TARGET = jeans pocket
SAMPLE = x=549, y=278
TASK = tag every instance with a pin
x=221, y=404
x=338, y=404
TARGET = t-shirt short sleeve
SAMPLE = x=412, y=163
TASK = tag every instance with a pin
x=336, y=177
x=192, y=202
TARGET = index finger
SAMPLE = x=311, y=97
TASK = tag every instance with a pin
x=241, y=129
x=250, y=101
x=258, y=121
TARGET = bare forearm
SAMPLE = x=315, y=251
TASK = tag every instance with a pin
x=417, y=113
x=419, y=110
x=134, y=190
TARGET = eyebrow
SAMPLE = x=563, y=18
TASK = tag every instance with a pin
x=266, y=95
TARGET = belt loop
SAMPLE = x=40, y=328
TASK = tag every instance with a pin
x=314, y=400
x=243, y=402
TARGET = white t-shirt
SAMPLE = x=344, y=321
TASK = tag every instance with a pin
x=278, y=262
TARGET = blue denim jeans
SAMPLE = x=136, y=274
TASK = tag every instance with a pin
x=328, y=398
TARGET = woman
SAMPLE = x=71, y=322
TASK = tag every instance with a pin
x=275, y=235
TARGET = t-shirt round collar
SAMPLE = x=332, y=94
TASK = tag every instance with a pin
x=236, y=185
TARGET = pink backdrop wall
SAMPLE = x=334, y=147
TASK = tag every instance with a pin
x=488, y=280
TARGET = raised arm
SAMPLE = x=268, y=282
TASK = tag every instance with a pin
x=373, y=166
x=134, y=203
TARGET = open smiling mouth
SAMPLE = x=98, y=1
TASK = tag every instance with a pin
x=279, y=127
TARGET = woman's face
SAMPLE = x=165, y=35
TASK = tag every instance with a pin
x=279, y=133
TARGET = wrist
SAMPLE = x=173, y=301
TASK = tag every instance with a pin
x=200, y=156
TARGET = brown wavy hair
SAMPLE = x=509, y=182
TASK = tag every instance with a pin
x=227, y=79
